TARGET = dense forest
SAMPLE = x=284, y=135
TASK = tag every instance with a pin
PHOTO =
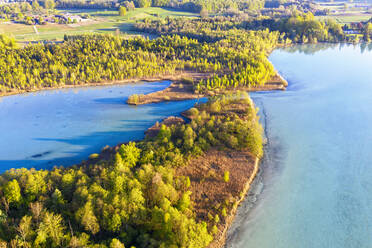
x=298, y=28
x=133, y=199
x=96, y=58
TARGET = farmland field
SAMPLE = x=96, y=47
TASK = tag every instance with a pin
x=101, y=21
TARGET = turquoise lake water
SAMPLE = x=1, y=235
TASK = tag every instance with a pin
x=63, y=127
x=318, y=170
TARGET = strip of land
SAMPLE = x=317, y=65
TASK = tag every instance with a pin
x=164, y=77
x=182, y=89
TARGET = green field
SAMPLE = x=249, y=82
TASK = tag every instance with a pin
x=343, y=19
x=100, y=22
x=354, y=12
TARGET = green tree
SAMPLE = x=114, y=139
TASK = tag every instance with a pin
x=122, y=11
x=114, y=223
x=50, y=4
x=51, y=230
x=25, y=231
x=130, y=154
x=226, y=176
x=86, y=217
x=144, y=3
x=12, y=192
x=35, y=5
x=204, y=13
x=7, y=42
x=115, y=243
x=367, y=32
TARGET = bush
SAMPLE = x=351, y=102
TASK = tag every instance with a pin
x=94, y=156
x=133, y=99
x=226, y=176
x=193, y=112
x=215, y=107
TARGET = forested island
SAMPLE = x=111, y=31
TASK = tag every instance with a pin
x=181, y=185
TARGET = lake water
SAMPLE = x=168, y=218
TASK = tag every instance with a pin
x=63, y=127
x=318, y=171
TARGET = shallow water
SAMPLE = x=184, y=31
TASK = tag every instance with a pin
x=319, y=193
x=63, y=127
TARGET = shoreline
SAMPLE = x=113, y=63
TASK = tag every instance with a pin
x=220, y=240
x=182, y=89
x=165, y=77
x=246, y=205
x=175, y=92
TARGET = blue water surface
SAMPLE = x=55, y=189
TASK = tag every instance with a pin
x=63, y=127
x=318, y=173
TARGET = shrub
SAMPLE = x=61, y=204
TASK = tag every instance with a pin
x=133, y=99
x=193, y=112
x=216, y=218
x=94, y=156
x=215, y=107
x=226, y=176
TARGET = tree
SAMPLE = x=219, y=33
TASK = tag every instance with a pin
x=50, y=229
x=204, y=13
x=50, y=4
x=35, y=5
x=86, y=217
x=41, y=20
x=122, y=11
x=12, y=192
x=129, y=5
x=130, y=154
x=134, y=99
x=367, y=31
x=7, y=42
x=114, y=223
x=25, y=231
x=144, y=3
x=226, y=176
x=115, y=243
x=160, y=3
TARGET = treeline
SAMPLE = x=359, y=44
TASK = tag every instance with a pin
x=211, y=6
x=134, y=199
x=301, y=28
x=87, y=59
x=88, y=4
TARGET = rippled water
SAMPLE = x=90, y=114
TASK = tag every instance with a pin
x=319, y=192
x=65, y=126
